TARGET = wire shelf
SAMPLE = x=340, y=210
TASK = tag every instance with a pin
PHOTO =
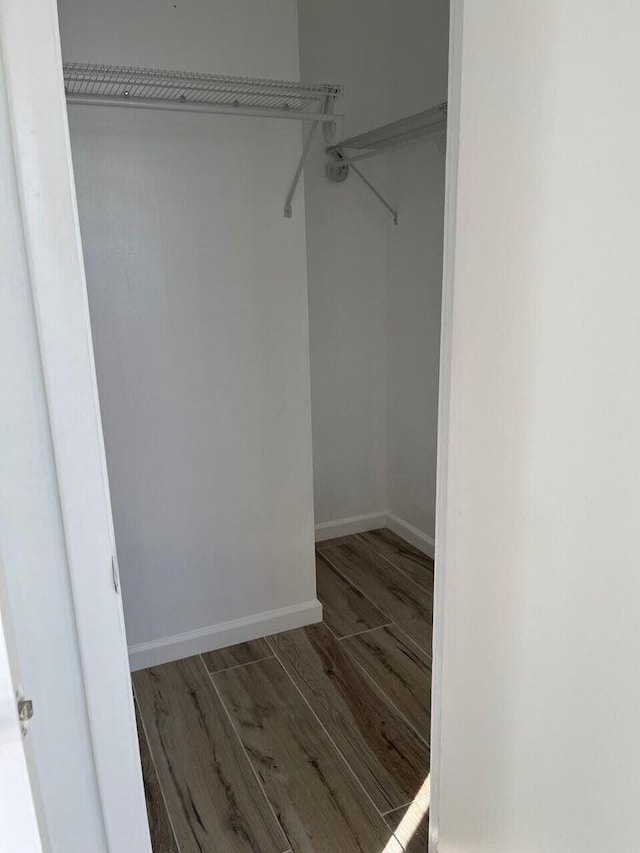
x=87, y=83
x=158, y=89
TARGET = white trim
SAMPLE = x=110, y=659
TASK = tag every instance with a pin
x=374, y=521
x=347, y=526
x=224, y=634
x=413, y=535
x=444, y=400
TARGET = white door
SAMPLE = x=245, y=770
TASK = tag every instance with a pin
x=56, y=536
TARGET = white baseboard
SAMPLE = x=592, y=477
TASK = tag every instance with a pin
x=372, y=521
x=349, y=526
x=224, y=634
x=412, y=534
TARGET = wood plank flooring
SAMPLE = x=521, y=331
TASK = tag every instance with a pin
x=210, y=787
x=389, y=588
x=306, y=780
x=410, y=826
x=159, y=824
x=412, y=562
x=311, y=741
x=396, y=665
x=250, y=652
x=347, y=611
x=356, y=715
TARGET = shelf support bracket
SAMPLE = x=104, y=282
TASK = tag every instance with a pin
x=392, y=210
x=288, y=211
x=329, y=128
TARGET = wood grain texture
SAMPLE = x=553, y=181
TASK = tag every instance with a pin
x=384, y=752
x=213, y=796
x=400, y=669
x=345, y=609
x=410, y=826
x=370, y=691
x=338, y=540
x=387, y=587
x=238, y=655
x=317, y=799
x=162, y=837
x=405, y=557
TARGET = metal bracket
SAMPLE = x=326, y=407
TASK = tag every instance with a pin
x=329, y=131
x=288, y=212
x=339, y=171
x=381, y=140
x=392, y=210
x=329, y=128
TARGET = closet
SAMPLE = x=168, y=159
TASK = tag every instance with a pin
x=261, y=196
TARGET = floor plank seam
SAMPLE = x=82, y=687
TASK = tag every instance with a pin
x=238, y=665
x=376, y=548
x=406, y=845
x=427, y=652
x=402, y=846
x=331, y=631
x=355, y=586
x=389, y=701
x=377, y=606
x=242, y=746
x=324, y=729
x=155, y=770
x=393, y=565
x=346, y=611
x=365, y=631
x=405, y=806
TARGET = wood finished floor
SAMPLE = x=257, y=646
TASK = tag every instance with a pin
x=311, y=741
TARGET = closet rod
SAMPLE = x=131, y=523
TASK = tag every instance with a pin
x=345, y=154
x=390, y=136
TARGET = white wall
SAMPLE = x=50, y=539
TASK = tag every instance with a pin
x=419, y=38
x=374, y=289
x=347, y=257
x=198, y=297
x=539, y=747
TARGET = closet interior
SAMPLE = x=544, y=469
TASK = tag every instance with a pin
x=261, y=196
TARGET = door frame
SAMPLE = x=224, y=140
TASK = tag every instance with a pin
x=454, y=98
x=44, y=172
x=44, y=176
